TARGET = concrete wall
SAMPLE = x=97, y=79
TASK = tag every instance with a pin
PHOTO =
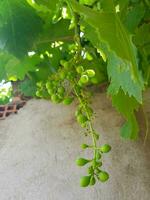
x=39, y=145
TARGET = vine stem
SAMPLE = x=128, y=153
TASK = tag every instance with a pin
x=89, y=123
x=78, y=54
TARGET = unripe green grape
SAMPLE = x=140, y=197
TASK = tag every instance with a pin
x=80, y=84
x=105, y=148
x=82, y=161
x=38, y=93
x=67, y=101
x=82, y=118
x=49, y=85
x=51, y=91
x=85, y=181
x=92, y=180
x=55, y=98
x=84, y=146
x=103, y=176
x=39, y=84
x=80, y=69
x=83, y=125
x=61, y=90
x=84, y=79
x=90, y=73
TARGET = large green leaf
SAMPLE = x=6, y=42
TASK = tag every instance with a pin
x=5, y=59
x=134, y=17
x=55, y=32
x=19, y=70
x=12, y=68
x=19, y=28
x=28, y=88
x=111, y=31
x=44, y=8
x=117, y=48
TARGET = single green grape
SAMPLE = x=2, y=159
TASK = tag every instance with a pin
x=85, y=181
x=55, y=98
x=105, y=148
x=51, y=91
x=80, y=69
x=82, y=161
x=82, y=118
x=84, y=79
x=84, y=146
x=49, y=85
x=61, y=90
x=90, y=73
x=38, y=93
x=67, y=101
x=103, y=176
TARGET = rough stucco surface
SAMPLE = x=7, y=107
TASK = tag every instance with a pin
x=39, y=145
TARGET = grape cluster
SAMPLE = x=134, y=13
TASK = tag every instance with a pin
x=94, y=170
x=70, y=81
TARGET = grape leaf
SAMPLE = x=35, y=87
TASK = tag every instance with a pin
x=28, y=88
x=55, y=32
x=122, y=63
x=126, y=106
x=22, y=67
x=134, y=17
x=6, y=58
x=12, y=68
x=117, y=40
x=20, y=26
x=142, y=40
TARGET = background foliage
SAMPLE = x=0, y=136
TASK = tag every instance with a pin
x=115, y=38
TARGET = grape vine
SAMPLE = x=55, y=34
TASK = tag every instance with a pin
x=69, y=82
x=58, y=49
